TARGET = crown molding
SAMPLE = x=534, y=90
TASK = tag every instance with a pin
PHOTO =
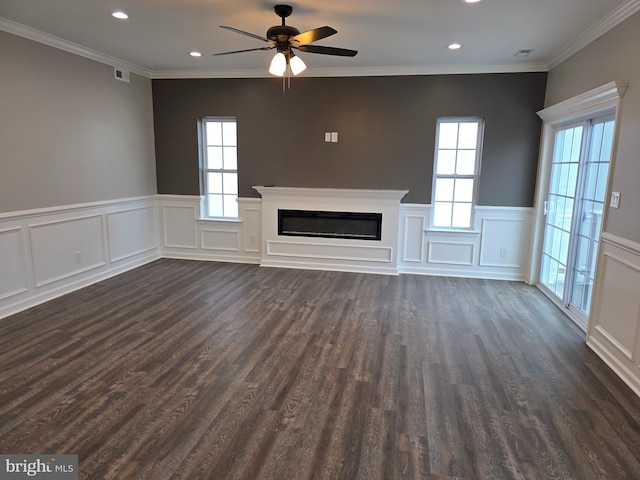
x=62, y=44
x=596, y=31
x=599, y=29
x=590, y=102
x=359, y=72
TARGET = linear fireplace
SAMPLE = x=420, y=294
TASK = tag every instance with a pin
x=351, y=230
x=314, y=223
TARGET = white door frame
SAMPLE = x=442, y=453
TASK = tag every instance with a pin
x=583, y=106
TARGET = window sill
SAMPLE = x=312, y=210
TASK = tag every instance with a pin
x=446, y=231
x=220, y=219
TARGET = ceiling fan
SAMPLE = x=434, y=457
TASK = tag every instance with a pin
x=285, y=39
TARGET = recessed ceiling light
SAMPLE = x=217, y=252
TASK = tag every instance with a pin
x=120, y=15
x=454, y=46
x=471, y=1
x=195, y=54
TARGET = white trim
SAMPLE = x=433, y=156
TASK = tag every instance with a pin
x=468, y=263
x=415, y=70
x=297, y=192
x=596, y=31
x=39, y=212
x=628, y=376
x=67, y=276
x=623, y=243
x=62, y=44
x=588, y=103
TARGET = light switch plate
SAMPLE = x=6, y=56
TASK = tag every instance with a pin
x=615, y=200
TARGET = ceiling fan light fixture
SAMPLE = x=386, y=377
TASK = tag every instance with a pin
x=278, y=65
x=297, y=65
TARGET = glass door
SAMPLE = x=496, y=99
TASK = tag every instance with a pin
x=589, y=215
x=574, y=208
x=559, y=209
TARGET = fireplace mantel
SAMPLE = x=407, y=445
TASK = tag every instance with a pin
x=354, y=255
x=333, y=193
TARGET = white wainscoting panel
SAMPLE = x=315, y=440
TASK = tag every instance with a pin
x=496, y=247
x=179, y=223
x=48, y=252
x=216, y=239
x=187, y=235
x=411, y=237
x=61, y=249
x=504, y=242
x=450, y=252
x=252, y=215
x=13, y=279
x=329, y=251
x=131, y=232
x=614, y=326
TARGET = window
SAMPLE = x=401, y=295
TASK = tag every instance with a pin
x=220, y=166
x=457, y=162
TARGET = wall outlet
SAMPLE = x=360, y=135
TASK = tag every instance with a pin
x=253, y=239
x=327, y=136
x=504, y=253
x=78, y=256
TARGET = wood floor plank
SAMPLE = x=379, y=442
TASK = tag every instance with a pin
x=197, y=370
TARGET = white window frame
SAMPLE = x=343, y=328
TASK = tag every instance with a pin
x=455, y=176
x=228, y=213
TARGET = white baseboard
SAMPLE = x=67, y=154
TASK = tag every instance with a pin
x=332, y=267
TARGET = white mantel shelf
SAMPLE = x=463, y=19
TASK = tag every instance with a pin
x=331, y=192
x=353, y=255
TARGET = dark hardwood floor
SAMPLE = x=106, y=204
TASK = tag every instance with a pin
x=195, y=370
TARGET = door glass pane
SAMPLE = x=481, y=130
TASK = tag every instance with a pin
x=589, y=209
x=562, y=188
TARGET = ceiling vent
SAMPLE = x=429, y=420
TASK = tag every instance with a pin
x=122, y=75
x=523, y=52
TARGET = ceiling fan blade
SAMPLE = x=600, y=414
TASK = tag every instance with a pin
x=247, y=50
x=341, y=52
x=242, y=32
x=312, y=35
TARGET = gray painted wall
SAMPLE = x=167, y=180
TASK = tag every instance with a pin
x=386, y=128
x=614, y=56
x=69, y=132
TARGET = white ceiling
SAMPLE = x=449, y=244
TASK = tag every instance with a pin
x=401, y=37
